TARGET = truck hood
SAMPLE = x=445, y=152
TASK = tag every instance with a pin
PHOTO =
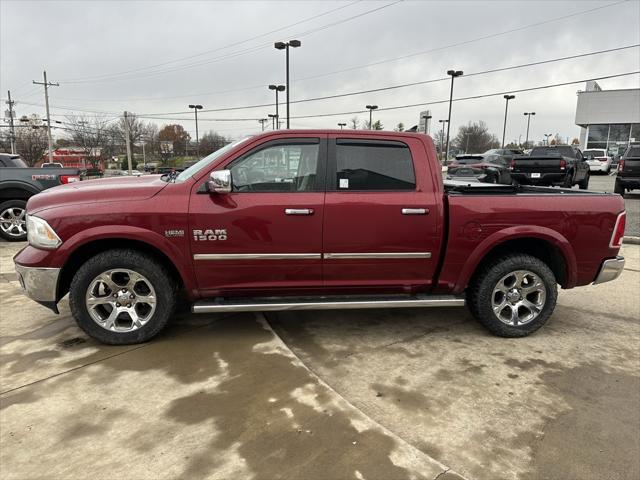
x=115, y=189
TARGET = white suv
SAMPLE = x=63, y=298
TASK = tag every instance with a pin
x=598, y=160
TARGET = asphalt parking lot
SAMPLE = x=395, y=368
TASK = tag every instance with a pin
x=388, y=394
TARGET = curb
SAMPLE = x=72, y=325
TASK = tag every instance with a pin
x=632, y=240
x=262, y=320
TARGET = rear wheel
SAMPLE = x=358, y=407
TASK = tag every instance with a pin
x=619, y=189
x=513, y=296
x=122, y=297
x=568, y=180
x=584, y=183
x=13, y=220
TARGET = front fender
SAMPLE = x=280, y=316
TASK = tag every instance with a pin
x=176, y=253
x=515, y=233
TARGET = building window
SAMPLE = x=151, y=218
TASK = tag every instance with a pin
x=598, y=133
x=619, y=132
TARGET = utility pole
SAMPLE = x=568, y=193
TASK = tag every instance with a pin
x=13, y=131
x=127, y=141
x=46, y=101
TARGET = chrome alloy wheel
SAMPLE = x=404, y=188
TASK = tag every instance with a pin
x=120, y=300
x=518, y=298
x=13, y=221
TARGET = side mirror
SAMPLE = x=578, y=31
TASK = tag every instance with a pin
x=220, y=181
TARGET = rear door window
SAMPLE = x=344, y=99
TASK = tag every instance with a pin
x=373, y=165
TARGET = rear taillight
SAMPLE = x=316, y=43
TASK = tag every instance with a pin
x=618, y=231
x=512, y=166
x=69, y=178
x=621, y=165
x=563, y=164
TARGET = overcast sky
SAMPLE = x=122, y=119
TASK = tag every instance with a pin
x=154, y=57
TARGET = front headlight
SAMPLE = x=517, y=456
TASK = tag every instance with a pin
x=41, y=235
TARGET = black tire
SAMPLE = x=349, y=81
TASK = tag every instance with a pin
x=568, y=180
x=480, y=294
x=5, y=229
x=584, y=183
x=145, y=265
x=619, y=189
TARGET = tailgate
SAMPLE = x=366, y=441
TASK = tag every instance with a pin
x=632, y=167
x=538, y=165
x=52, y=177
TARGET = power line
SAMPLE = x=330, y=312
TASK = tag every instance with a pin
x=229, y=55
x=423, y=52
x=474, y=97
x=465, y=42
x=148, y=67
x=412, y=84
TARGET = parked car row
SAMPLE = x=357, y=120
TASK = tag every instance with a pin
x=553, y=165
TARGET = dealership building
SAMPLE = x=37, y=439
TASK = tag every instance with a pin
x=609, y=119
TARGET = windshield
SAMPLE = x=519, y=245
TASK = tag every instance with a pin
x=208, y=160
x=593, y=153
x=468, y=160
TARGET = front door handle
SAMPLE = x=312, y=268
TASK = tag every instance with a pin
x=415, y=211
x=298, y=211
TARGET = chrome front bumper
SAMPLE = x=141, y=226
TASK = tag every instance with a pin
x=610, y=270
x=40, y=284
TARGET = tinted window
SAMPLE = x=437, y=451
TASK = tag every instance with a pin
x=374, y=166
x=12, y=161
x=633, y=152
x=277, y=168
x=593, y=154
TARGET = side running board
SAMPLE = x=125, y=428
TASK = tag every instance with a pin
x=324, y=303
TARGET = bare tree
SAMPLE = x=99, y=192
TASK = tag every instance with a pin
x=31, y=139
x=212, y=141
x=475, y=138
x=90, y=134
x=354, y=123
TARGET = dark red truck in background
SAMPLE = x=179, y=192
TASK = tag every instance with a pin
x=313, y=219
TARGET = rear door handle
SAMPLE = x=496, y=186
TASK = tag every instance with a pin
x=298, y=211
x=415, y=211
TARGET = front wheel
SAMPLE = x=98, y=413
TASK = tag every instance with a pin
x=513, y=296
x=13, y=221
x=120, y=297
x=584, y=183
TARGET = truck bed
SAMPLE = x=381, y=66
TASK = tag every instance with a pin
x=453, y=187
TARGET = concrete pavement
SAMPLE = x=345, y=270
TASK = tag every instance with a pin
x=388, y=394
x=212, y=397
x=561, y=404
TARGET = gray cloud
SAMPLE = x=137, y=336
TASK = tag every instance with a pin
x=76, y=40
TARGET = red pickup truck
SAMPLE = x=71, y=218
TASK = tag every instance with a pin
x=313, y=219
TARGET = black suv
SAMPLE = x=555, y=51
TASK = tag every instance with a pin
x=628, y=177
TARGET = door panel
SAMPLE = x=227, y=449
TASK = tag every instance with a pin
x=381, y=237
x=267, y=233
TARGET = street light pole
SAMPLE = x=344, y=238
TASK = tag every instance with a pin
x=285, y=46
x=342, y=125
x=546, y=137
x=453, y=74
x=528, y=115
x=277, y=88
x=506, y=107
x=426, y=122
x=273, y=120
x=195, y=109
x=262, y=122
x=371, y=109
x=442, y=135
